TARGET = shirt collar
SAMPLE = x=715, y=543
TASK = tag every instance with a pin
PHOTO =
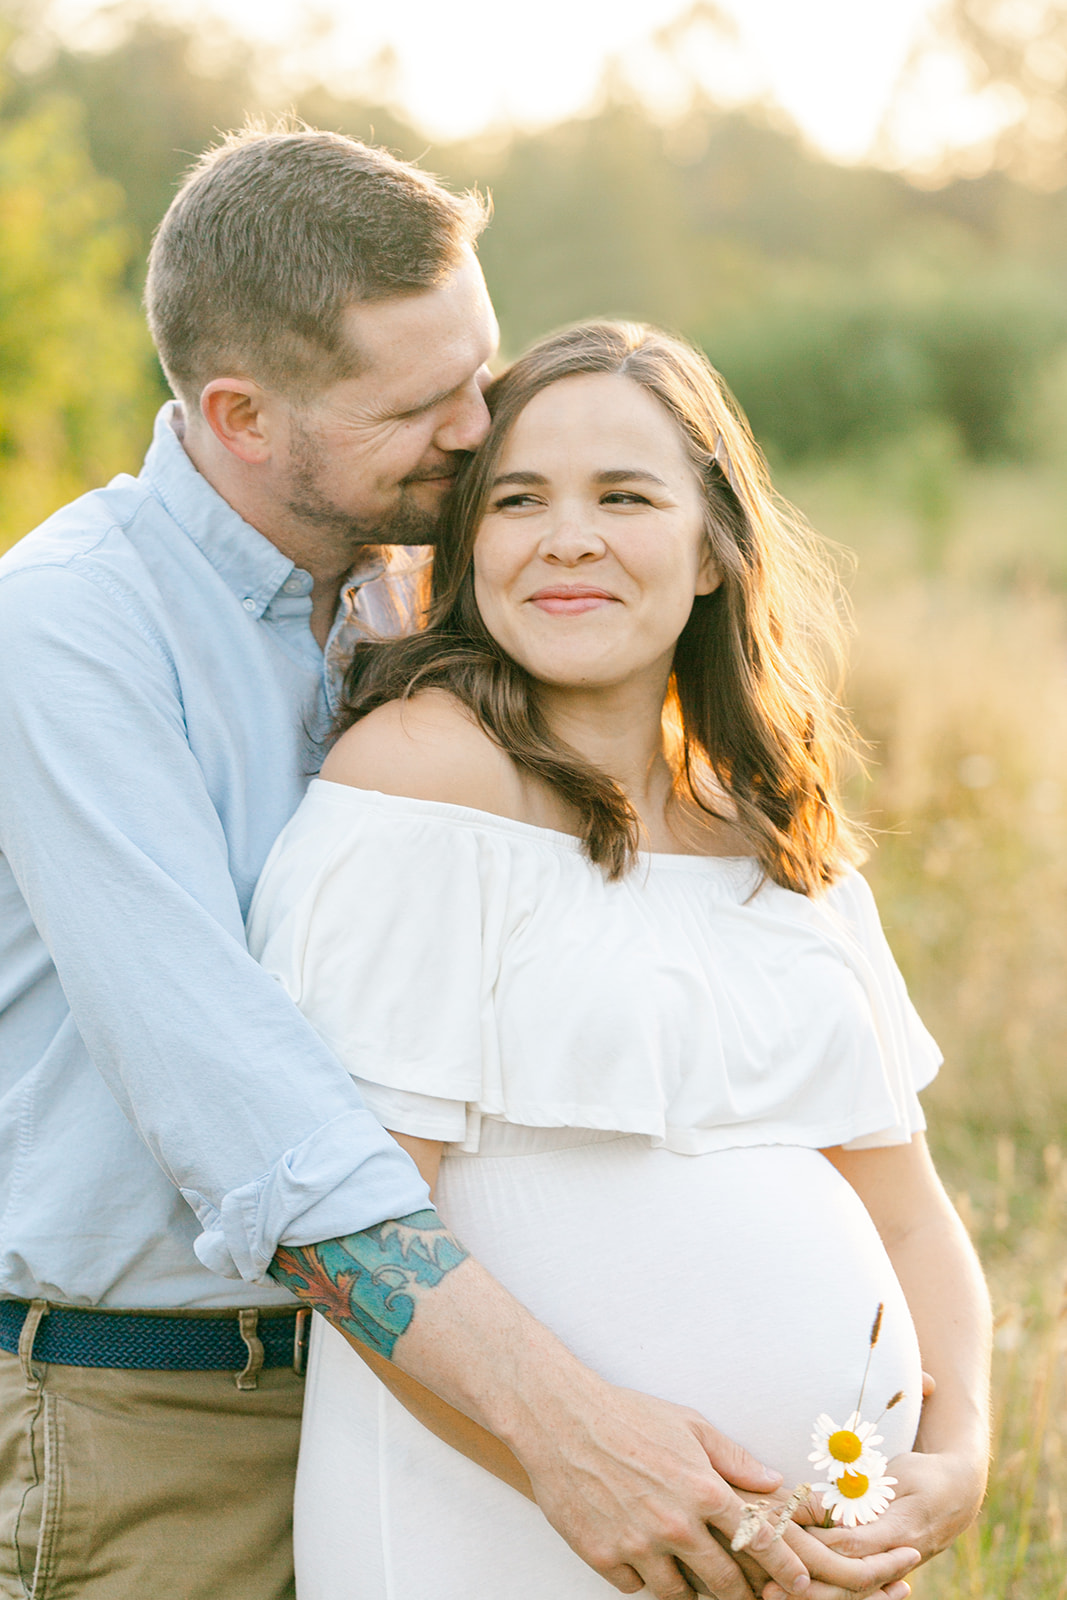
x=247, y=563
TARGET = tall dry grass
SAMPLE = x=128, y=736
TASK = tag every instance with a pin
x=960, y=685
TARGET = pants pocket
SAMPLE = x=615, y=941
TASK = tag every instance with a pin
x=30, y=1485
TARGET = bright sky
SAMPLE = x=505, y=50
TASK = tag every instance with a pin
x=466, y=64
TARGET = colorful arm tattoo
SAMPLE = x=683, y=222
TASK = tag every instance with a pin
x=367, y=1284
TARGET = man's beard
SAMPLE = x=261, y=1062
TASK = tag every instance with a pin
x=405, y=523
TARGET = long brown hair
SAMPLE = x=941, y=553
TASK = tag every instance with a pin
x=750, y=685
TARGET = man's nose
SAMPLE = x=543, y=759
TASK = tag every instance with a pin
x=467, y=421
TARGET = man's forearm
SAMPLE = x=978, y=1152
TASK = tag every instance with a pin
x=367, y=1284
x=478, y=1349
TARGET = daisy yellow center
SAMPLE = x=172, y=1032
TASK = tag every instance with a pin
x=844, y=1445
x=853, y=1485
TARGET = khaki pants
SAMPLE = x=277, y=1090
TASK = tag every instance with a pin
x=120, y=1485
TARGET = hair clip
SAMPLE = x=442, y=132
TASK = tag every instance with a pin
x=722, y=460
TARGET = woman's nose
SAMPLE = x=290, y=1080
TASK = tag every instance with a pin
x=570, y=538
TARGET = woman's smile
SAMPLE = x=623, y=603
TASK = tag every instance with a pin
x=571, y=600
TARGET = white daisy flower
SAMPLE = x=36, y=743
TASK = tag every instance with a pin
x=856, y=1498
x=850, y=1448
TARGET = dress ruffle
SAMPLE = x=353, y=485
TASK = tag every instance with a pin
x=463, y=965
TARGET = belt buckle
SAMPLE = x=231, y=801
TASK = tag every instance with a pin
x=300, y=1340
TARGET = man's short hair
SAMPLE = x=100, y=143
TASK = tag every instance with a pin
x=272, y=235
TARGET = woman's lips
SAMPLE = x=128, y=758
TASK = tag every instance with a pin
x=566, y=601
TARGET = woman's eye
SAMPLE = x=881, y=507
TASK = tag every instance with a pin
x=624, y=497
x=511, y=502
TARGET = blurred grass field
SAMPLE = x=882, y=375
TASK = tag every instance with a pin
x=959, y=684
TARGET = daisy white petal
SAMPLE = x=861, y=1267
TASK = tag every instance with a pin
x=856, y=1498
x=849, y=1448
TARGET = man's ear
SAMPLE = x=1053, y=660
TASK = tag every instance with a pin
x=236, y=411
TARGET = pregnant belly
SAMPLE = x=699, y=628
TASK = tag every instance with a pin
x=743, y=1283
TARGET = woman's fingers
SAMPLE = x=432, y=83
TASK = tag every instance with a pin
x=839, y=1576
x=858, y=1573
x=878, y=1577
x=822, y=1591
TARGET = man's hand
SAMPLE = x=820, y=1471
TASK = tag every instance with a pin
x=636, y=1485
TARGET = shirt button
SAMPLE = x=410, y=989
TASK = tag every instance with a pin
x=248, y=603
x=293, y=585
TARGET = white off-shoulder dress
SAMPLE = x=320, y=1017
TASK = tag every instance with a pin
x=633, y=1081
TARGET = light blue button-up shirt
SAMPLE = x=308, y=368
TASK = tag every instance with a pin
x=167, y=1116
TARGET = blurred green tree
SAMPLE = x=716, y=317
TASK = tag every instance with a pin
x=836, y=363
x=76, y=387
x=845, y=305
x=161, y=91
x=149, y=103
x=589, y=219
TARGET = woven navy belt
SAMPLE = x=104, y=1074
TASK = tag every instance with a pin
x=174, y=1341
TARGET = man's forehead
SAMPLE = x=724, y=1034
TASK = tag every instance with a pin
x=429, y=341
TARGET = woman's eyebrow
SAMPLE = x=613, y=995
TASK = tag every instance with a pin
x=609, y=475
x=527, y=480
x=630, y=475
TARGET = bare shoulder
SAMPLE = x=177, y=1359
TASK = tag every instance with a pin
x=427, y=748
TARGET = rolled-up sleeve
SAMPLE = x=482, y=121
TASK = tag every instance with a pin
x=111, y=834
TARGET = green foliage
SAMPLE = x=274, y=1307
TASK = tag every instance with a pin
x=76, y=382
x=841, y=364
x=588, y=222
x=844, y=305
x=146, y=111
x=1015, y=1202
x=161, y=93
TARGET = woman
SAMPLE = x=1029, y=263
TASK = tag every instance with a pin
x=574, y=902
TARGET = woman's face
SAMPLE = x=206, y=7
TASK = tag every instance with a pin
x=592, y=546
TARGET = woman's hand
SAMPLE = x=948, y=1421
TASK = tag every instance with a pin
x=937, y=1497
x=875, y=1573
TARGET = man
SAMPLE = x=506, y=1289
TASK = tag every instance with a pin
x=177, y=1143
